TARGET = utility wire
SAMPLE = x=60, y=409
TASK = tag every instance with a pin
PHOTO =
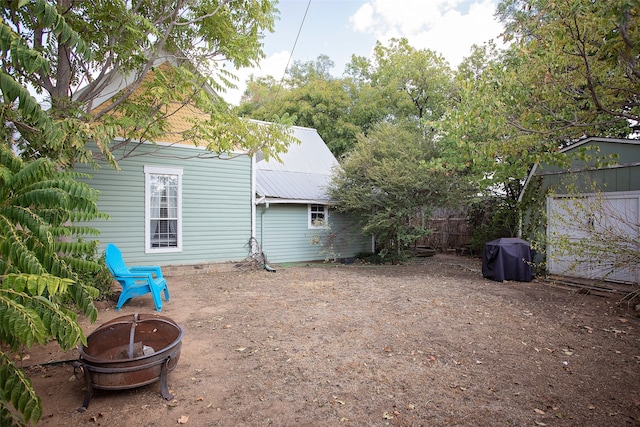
x=284, y=73
x=295, y=42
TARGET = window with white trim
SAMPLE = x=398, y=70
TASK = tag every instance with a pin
x=163, y=209
x=318, y=216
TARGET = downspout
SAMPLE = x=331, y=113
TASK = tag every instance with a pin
x=264, y=257
x=253, y=201
x=262, y=223
x=254, y=204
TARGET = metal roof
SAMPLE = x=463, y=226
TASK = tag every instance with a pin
x=304, y=172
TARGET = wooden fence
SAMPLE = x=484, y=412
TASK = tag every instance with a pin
x=450, y=232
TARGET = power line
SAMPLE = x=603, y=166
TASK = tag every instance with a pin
x=295, y=42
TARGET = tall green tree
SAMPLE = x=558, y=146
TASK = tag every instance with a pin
x=72, y=74
x=477, y=137
x=42, y=254
x=415, y=83
x=57, y=61
x=569, y=72
x=312, y=97
x=391, y=181
x=579, y=63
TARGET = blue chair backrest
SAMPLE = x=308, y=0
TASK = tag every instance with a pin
x=113, y=258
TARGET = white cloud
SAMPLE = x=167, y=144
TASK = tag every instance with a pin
x=403, y=16
x=273, y=65
x=448, y=27
x=436, y=25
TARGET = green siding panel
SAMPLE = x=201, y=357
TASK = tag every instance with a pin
x=282, y=231
x=634, y=178
x=216, y=206
x=608, y=180
x=625, y=177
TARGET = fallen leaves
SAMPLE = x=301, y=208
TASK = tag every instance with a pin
x=95, y=418
x=174, y=403
x=615, y=331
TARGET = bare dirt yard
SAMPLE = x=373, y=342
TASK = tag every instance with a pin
x=430, y=343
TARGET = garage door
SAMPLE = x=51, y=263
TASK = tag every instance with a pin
x=594, y=236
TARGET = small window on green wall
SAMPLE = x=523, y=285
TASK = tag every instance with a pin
x=318, y=216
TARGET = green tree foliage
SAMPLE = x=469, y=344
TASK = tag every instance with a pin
x=396, y=176
x=477, y=139
x=571, y=71
x=380, y=119
x=391, y=181
x=42, y=50
x=579, y=65
x=399, y=83
x=303, y=73
x=311, y=97
x=414, y=83
x=41, y=254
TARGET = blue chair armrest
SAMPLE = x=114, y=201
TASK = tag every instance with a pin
x=136, y=275
x=153, y=269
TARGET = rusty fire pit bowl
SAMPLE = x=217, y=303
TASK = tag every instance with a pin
x=129, y=352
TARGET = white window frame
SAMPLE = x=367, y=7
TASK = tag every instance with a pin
x=161, y=170
x=310, y=212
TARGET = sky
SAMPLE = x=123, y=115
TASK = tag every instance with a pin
x=342, y=28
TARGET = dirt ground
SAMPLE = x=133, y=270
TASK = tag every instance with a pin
x=431, y=343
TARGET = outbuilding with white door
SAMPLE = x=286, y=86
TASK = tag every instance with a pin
x=584, y=212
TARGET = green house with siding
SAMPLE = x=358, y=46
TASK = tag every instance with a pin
x=174, y=203
x=594, y=197
x=167, y=206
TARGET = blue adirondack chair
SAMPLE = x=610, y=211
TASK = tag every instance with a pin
x=135, y=281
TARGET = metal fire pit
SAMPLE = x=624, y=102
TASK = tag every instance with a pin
x=129, y=352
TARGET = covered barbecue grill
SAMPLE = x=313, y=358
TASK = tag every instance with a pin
x=507, y=259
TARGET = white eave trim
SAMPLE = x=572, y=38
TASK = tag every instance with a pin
x=275, y=201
